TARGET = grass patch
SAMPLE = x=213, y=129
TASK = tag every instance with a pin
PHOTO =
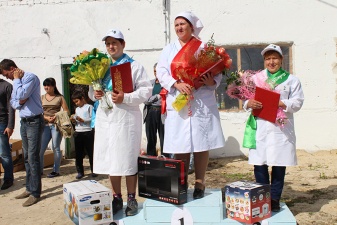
x=239, y=176
x=316, y=194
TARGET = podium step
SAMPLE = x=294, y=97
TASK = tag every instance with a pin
x=209, y=210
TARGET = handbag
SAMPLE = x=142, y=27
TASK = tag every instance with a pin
x=64, y=125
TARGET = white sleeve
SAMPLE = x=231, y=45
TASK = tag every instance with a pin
x=164, y=69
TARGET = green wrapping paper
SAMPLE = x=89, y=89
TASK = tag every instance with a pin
x=249, y=138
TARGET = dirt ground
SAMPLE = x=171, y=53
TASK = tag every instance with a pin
x=310, y=189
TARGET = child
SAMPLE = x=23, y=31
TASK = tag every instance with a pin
x=84, y=136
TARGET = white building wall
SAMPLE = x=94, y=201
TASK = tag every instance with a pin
x=75, y=25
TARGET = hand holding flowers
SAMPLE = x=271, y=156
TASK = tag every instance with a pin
x=241, y=85
x=210, y=61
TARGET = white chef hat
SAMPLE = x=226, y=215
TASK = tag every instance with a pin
x=115, y=33
x=272, y=47
x=194, y=20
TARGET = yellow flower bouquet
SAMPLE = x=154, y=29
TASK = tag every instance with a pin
x=89, y=68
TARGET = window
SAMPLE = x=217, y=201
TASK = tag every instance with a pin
x=246, y=58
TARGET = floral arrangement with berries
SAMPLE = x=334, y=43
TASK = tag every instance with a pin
x=211, y=58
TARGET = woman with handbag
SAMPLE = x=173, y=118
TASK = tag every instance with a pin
x=52, y=102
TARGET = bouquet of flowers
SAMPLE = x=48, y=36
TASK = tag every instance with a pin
x=209, y=56
x=89, y=68
x=212, y=59
x=241, y=85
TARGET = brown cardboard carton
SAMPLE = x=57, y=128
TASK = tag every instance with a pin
x=18, y=161
x=16, y=144
x=48, y=158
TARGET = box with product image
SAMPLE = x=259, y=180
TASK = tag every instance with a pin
x=247, y=202
x=87, y=202
x=162, y=179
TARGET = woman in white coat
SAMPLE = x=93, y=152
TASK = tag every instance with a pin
x=118, y=130
x=275, y=145
x=196, y=128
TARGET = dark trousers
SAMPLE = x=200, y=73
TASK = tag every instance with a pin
x=84, y=143
x=5, y=153
x=153, y=125
x=31, y=133
x=277, y=179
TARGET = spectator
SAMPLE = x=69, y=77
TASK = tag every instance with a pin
x=152, y=119
x=84, y=136
x=7, y=123
x=52, y=102
x=26, y=97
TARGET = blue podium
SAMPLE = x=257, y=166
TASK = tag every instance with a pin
x=209, y=210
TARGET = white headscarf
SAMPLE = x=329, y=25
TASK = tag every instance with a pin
x=194, y=20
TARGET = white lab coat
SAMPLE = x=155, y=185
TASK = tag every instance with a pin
x=118, y=131
x=276, y=146
x=184, y=134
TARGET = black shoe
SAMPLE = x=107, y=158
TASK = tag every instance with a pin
x=53, y=174
x=94, y=175
x=132, y=207
x=79, y=176
x=198, y=193
x=7, y=184
x=117, y=204
x=275, y=205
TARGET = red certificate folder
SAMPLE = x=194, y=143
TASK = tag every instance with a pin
x=121, y=77
x=269, y=100
x=217, y=68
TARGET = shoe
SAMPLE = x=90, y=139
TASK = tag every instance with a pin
x=198, y=193
x=53, y=174
x=94, y=175
x=7, y=184
x=79, y=176
x=117, y=204
x=132, y=207
x=30, y=201
x=275, y=205
x=190, y=171
x=25, y=194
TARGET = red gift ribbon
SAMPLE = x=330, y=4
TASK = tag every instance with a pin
x=163, y=94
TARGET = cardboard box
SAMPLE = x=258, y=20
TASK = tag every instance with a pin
x=87, y=202
x=15, y=144
x=162, y=179
x=48, y=159
x=247, y=202
x=18, y=161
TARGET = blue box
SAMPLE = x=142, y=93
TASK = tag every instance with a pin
x=205, y=210
x=209, y=210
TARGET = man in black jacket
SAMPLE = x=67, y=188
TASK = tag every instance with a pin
x=7, y=122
